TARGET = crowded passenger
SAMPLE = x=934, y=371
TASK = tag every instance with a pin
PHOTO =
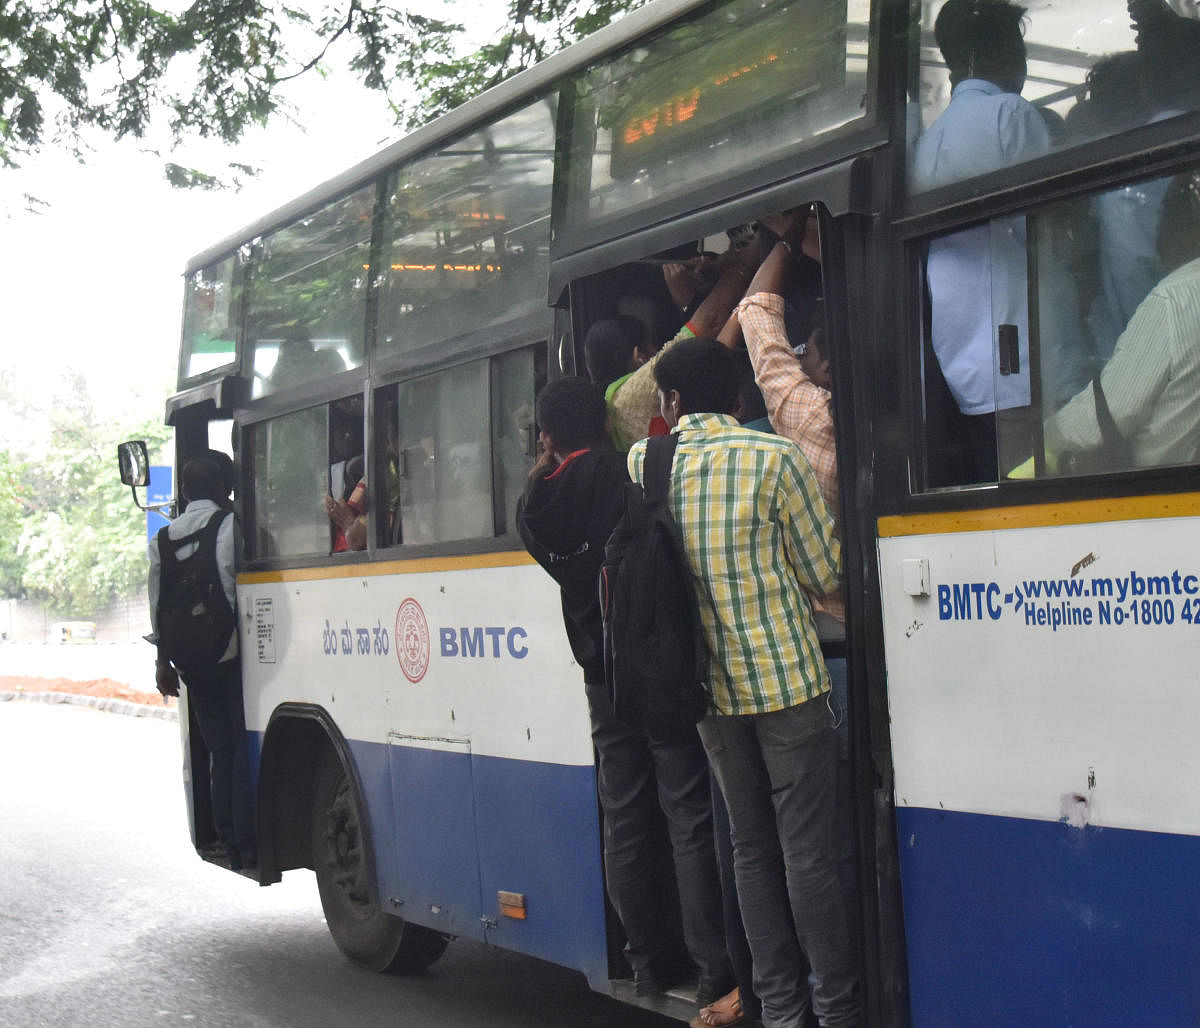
x=574, y=498
x=633, y=404
x=1143, y=410
x=976, y=278
x=759, y=539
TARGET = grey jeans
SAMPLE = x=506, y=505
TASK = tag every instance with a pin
x=777, y=772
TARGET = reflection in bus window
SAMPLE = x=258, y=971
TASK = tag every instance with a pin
x=443, y=476
x=210, y=317
x=687, y=107
x=1085, y=69
x=306, y=314
x=517, y=377
x=467, y=232
x=290, y=475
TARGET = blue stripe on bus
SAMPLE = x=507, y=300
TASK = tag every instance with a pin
x=533, y=826
x=1013, y=921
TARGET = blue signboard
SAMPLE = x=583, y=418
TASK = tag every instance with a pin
x=160, y=490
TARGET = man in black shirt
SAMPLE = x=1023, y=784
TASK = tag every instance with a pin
x=574, y=498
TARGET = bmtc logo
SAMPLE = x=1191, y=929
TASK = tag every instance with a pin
x=412, y=640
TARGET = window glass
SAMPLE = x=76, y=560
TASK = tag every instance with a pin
x=439, y=462
x=1065, y=73
x=517, y=379
x=291, y=475
x=210, y=313
x=1067, y=341
x=468, y=232
x=307, y=311
x=747, y=82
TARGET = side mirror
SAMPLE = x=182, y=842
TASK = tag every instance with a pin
x=134, y=463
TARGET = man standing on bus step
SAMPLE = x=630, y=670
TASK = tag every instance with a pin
x=214, y=688
x=574, y=498
x=759, y=540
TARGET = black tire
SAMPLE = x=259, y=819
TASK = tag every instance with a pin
x=341, y=858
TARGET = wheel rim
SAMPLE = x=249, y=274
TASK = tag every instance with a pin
x=344, y=858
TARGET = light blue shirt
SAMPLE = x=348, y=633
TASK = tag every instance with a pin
x=977, y=277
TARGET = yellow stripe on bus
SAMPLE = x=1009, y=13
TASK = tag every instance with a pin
x=417, y=565
x=1042, y=515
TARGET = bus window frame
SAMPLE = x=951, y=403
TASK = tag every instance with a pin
x=870, y=131
x=1003, y=193
x=842, y=187
x=234, y=367
x=528, y=338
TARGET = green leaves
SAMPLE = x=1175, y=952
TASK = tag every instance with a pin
x=70, y=534
x=215, y=69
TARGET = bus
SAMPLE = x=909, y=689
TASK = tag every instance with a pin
x=1022, y=642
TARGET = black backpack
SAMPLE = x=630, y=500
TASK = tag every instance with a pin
x=655, y=657
x=195, y=620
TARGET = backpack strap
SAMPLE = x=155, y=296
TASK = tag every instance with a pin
x=168, y=547
x=656, y=467
x=1117, y=445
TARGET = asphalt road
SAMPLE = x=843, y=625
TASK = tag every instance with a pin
x=107, y=917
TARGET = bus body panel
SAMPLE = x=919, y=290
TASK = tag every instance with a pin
x=1043, y=701
x=467, y=720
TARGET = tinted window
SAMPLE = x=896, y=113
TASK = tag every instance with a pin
x=468, y=232
x=723, y=93
x=291, y=477
x=517, y=377
x=440, y=473
x=1066, y=73
x=1071, y=335
x=307, y=310
x=210, y=314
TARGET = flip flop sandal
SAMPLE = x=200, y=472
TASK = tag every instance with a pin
x=725, y=1012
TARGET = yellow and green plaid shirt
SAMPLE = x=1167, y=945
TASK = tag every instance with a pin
x=757, y=534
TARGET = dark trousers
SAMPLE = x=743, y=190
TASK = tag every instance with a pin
x=777, y=772
x=735, y=931
x=216, y=699
x=639, y=782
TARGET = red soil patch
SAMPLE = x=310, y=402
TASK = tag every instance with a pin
x=105, y=688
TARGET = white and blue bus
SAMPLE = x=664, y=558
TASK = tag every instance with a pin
x=1022, y=650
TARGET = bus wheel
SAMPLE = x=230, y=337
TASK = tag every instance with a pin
x=362, y=931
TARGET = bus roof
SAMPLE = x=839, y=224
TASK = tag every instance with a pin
x=480, y=109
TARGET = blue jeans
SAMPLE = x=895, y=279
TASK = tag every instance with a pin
x=216, y=700
x=639, y=782
x=777, y=772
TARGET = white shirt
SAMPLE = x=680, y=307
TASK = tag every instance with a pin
x=977, y=277
x=194, y=518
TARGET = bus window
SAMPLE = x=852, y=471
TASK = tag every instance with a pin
x=306, y=312
x=517, y=377
x=210, y=316
x=707, y=100
x=290, y=475
x=467, y=232
x=347, y=499
x=1060, y=75
x=1084, y=359
x=438, y=428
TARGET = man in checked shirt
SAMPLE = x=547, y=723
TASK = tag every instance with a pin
x=794, y=378
x=759, y=541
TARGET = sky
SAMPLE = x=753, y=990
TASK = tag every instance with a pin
x=94, y=280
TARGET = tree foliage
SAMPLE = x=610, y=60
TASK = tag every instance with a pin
x=217, y=68
x=70, y=534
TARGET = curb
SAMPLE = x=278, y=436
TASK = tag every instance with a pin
x=107, y=703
